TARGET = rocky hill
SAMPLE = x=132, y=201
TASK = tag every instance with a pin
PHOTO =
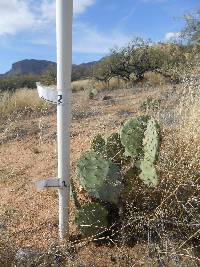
x=37, y=67
x=30, y=67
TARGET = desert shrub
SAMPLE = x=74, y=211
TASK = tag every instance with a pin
x=139, y=57
x=191, y=31
x=150, y=104
x=49, y=77
x=91, y=93
x=102, y=71
x=81, y=72
x=11, y=83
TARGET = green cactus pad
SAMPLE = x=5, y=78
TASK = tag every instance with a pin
x=114, y=148
x=130, y=182
x=99, y=177
x=132, y=135
x=98, y=144
x=151, y=145
x=148, y=173
x=92, y=220
x=74, y=195
x=151, y=141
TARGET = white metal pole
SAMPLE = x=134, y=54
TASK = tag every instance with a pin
x=64, y=17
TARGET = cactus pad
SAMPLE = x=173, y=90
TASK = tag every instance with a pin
x=148, y=173
x=91, y=219
x=114, y=148
x=151, y=141
x=99, y=177
x=130, y=182
x=132, y=135
x=98, y=144
x=151, y=145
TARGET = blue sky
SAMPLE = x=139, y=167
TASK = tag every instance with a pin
x=27, y=27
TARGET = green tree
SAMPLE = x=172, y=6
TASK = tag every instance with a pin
x=49, y=77
x=11, y=83
x=191, y=32
x=102, y=71
x=173, y=60
x=138, y=57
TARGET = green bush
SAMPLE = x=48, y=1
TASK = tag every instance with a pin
x=11, y=83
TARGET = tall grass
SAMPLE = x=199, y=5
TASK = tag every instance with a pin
x=88, y=84
x=81, y=85
x=21, y=100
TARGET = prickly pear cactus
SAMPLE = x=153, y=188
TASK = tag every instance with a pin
x=74, y=195
x=151, y=145
x=98, y=144
x=151, y=141
x=114, y=148
x=130, y=182
x=91, y=219
x=132, y=135
x=148, y=173
x=99, y=177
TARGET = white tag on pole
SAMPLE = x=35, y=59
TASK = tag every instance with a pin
x=47, y=93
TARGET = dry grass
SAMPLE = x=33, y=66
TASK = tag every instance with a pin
x=81, y=85
x=23, y=99
x=154, y=79
x=113, y=84
x=89, y=84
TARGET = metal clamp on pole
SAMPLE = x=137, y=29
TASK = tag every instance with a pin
x=51, y=183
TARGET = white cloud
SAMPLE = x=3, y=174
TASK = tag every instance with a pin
x=81, y=5
x=48, y=8
x=26, y=15
x=20, y=15
x=15, y=16
x=172, y=36
x=87, y=39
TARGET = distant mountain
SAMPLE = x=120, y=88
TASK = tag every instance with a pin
x=30, y=67
x=37, y=67
x=88, y=64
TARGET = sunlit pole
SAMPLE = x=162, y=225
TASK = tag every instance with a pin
x=64, y=17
